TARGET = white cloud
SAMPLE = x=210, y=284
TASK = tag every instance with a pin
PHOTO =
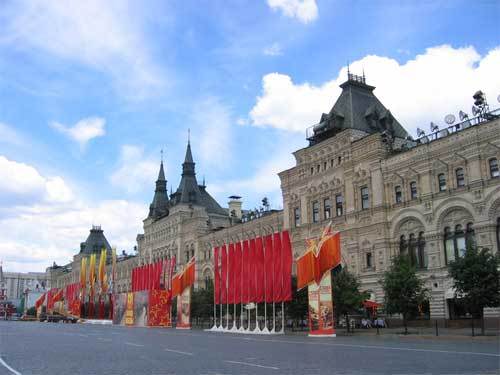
x=274, y=49
x=50, y=225
x=83, y=131
x=9, y=135
x=304, y=10
x=440, y=81
x=136, y=172
x=104, y=35
x=21, y=183
x=213, y=132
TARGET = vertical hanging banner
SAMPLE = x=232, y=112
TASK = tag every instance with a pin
x=129, y=310
x=160, y=312
x=321, y=307
x=313, y=271
x=184, y=309
x=181, y=288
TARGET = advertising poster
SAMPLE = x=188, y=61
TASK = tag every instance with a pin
x=184, y=309
x=129, y=310
x=321, y=321
x=119, y=307
x=159, y=314
x=141, y=302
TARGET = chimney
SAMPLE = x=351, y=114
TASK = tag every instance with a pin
x=235, y=206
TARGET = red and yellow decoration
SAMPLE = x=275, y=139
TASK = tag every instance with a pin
x=159, y=311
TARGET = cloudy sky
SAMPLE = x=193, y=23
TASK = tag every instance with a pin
x=91, y=91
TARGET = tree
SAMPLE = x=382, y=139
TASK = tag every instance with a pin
x=477, y=280
x=346, y=295
x=403, y=289
x=297, y=308
x=202, y=302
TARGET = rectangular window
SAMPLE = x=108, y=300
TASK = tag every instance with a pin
x=398, y=194
x=460, y=177
x=365, y=198
x=413, y=190
x=368, y=260
x=494, y=171
x=339, y=205
x=442, y=182
x=450, y=250
x=296, y=216
x=315, y=207
x=327, y=206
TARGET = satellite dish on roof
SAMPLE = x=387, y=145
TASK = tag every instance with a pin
x=498, y=98
x=420, y=132
x=463, y=116
x=434, y=127
x=475, y=111
x=449, y=119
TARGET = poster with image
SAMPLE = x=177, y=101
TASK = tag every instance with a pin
x=119, y=307
x=141, y=302
x=184, y=309
x=321, y=321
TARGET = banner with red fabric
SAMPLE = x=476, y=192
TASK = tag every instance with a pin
x=231, y=274
x=237, y=272
x=287, y=263
x=259, y=271
x=269, y=267
x=251, y=274
x=39, y=302
x=216, y=276
x=159, y=309
x=245, y=283
x=223, y=279
x=278, y=275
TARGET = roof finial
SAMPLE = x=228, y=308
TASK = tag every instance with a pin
x=204, y=181
x=161, y=152
x=189, y=135
x=348, y=71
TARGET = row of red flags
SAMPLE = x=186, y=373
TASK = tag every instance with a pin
x=153, y=276
x=255, y=270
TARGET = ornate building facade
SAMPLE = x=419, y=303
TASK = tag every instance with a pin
x=384, y=191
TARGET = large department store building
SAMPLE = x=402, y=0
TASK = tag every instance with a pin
x=385, y=192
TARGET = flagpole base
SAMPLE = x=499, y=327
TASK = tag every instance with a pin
x=234, y=328
x=257, y=330
x=265, y=331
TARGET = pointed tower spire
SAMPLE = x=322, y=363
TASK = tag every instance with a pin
x=159, y=206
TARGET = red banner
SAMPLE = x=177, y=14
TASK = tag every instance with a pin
x=216, y=276
x=259, y=271
x=39, y=302
x=223, y=290
x=287, y=266
x=269, y=267
x=245, y=283
x=278, y=269
x=251, y=271
x=237, y=272
x=159, y=309
x=231, y=274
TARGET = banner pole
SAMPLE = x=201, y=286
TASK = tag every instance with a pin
x=282, y=317
x=274, y=319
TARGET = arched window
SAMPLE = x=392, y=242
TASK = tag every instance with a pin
x=494, y=171
x=470, y=239
x=413, y=190
x=455, y=242
x=421, y=258
x=442, y=182
x=403, y=245
x=412, y=246
x=459, y=173
x=398, y=194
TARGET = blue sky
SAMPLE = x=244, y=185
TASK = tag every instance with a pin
x=90, y=92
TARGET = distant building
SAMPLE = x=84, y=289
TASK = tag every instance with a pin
x=385, y=192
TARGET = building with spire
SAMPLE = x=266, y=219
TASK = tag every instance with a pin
x=386, y=192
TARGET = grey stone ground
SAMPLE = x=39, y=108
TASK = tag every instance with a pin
x=47, y=348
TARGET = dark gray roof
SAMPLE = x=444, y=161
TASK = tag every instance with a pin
x=189, y=192
x=159, y=207
x=95, y=242
x=357, y=108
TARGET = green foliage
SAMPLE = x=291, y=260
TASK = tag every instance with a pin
x=347, y=297
x=477, y=279
x=31, y=311
x=202, y=302
x=403, y=289
x=297, y=308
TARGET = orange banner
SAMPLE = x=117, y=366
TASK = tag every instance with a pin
x=184, y=279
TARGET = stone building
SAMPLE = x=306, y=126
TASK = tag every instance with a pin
x=384, y=191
